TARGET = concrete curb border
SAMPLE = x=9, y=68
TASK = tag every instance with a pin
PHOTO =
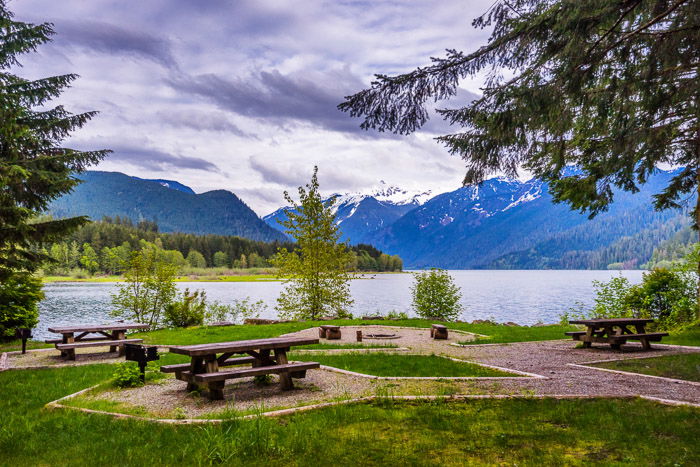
x=630, y=373
x=277, y=413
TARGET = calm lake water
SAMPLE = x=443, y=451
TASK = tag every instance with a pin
x=524, y=297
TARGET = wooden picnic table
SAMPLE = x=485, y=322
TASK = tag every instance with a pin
x=113, y=334
x=615, y=331
x=206, y=360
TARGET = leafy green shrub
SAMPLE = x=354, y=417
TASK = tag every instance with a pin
x=435, y=295
x=393, y=314
x=664, y=295
x=189, y=310
x=127, y=375
x=236, y=312
x=20, y=295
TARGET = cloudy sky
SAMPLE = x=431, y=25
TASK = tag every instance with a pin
x=242, y=95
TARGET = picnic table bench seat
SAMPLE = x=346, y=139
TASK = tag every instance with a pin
x=295, y=370
x=438, y=331
x=575, y=333
x=329, y=331
x=186, y=366
x=652, y=336
x=97, y=343
x=84, y=339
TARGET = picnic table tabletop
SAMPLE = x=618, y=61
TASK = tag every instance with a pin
x=611, y=321
x=241, y=346
x=97, y=327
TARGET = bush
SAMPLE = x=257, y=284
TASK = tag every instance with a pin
x=189, y=310
x=236, y=312
x=20, y=295
x=664, y=295
x=435, y=295
x=127, y=375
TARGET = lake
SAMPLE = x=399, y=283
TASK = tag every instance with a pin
x=524, y=297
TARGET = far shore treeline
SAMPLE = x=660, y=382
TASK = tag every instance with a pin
x=104, y=247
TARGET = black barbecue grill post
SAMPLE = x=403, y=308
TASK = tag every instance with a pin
x=24, y=334
x=141, y=355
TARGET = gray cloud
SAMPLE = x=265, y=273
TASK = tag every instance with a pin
x=273, y=96
x=116, y=40
x=153, y=159
x=201, y=121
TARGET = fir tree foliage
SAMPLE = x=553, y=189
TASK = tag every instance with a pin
x=609, y=86
x=317, y=281
x=34, y=168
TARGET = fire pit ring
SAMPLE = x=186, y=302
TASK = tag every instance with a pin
x=381, y=336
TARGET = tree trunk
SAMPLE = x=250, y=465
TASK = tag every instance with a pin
x=697, y=222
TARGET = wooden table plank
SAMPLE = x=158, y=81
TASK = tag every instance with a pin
x=97, y=327
x=611, y=321
x=241, y=346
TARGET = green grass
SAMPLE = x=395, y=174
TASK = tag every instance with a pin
x=16, y=344
x=689, y=335
x=684, y=366
x=497, y=333
x=526, y=432
x=400, y=365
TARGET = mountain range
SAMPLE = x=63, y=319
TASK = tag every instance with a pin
x=172, y=205
x=505, y=224
x=499, y=224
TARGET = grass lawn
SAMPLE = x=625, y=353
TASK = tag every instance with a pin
x=686, y=336
x=526, y=432
x=497, y=332
x=399, y=365
x=684, y=366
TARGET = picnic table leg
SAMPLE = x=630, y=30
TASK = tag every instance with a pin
x=615, y=345
x=285, y=378
x=118, y=335
x=589, y=335
x=646, y=345
x=68, y=338
x=216, y=388
x=196, y=366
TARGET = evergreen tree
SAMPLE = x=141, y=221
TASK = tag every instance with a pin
x=317, y=282
x=34, y=167
x=608, y=86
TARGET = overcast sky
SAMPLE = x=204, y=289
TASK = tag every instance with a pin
x=242, y=95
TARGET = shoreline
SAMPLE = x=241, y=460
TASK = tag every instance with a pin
x=200, y=278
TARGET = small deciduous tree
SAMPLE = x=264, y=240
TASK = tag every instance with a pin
x=148, y=288
x=317, y=281
x=19, y=295
x=435, y=295
x=196, y=259
x=189, y=310
x=220, y=259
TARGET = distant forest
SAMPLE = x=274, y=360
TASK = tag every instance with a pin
x=105, y=246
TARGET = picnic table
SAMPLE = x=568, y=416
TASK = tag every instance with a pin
x=206, y=360
x=113, y=335
x=615, y=331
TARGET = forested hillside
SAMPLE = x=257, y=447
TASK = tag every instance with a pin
x=172, y=207
x=105, y=246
